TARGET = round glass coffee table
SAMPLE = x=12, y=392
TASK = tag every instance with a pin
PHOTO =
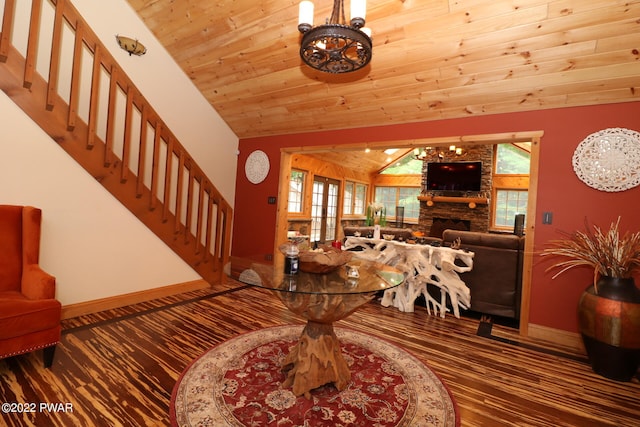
x=321, y=299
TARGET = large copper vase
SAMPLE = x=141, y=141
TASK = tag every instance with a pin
x=610, y=327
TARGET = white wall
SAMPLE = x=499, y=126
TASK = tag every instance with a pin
x=171, y=93
x=93, y=245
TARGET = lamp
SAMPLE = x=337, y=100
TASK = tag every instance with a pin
x=438, y=154
x=335, y=47
x=134, y=47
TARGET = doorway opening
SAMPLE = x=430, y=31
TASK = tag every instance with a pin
x=353, y=150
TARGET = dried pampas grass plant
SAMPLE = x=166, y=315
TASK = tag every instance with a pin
x=606, y=252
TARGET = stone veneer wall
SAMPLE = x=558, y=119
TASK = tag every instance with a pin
x=479, y=217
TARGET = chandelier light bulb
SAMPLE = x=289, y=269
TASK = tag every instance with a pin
x=305, y=16
x=358, y=12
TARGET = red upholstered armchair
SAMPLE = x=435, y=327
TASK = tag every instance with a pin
x=29, y=312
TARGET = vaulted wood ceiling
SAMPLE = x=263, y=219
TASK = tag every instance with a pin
x=432, y=59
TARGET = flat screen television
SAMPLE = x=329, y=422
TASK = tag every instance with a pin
x=454, y=177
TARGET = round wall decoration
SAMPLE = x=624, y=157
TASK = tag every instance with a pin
x=609, y=160
x=256, y=167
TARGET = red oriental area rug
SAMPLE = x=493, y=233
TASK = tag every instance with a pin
x=238, y=383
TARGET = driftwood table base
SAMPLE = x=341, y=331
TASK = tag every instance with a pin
x=316, y=360
x=322, y=299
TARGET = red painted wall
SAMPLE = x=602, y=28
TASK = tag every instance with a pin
x=553, y=301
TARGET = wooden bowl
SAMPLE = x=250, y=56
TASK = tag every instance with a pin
x=325, y=260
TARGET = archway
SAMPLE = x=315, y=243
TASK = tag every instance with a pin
x=487, y=139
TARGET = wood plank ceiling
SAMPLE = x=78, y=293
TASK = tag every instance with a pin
x=432, y=59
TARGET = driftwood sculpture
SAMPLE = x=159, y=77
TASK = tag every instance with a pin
x=423, y=265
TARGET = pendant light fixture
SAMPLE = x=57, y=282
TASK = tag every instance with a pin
x=133, y=46
x=335, y=47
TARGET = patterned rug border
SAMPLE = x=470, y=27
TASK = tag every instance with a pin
x=277, y=332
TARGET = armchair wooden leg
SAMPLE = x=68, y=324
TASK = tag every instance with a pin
x=47, y=354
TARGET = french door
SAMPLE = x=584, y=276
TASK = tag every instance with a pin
x=324, y=209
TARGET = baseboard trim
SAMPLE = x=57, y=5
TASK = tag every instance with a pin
x=117, y=301
x=557, y=336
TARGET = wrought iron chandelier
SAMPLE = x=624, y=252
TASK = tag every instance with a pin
x=437, y=154
x=335, y=47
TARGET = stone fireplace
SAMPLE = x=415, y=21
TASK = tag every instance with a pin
x=457, y=209
x=438, y=225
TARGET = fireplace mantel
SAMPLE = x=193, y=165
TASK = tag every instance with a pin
x=471, y=201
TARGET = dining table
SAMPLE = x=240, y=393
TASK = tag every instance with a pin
x=321, y=299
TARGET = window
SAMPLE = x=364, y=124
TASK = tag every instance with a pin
x=510, y=184
x=391, y=197
x=409, y=199
x=509, y=203
x=360, y=200
x=355, y=197
x=296, y=191
x=408, y=165
x=512, y=159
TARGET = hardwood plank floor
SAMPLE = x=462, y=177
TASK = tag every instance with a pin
x=118, y=368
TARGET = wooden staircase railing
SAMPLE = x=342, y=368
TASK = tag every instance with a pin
x=99, y=117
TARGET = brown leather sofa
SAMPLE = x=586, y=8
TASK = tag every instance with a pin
x=29, y=313
x=495, y=281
